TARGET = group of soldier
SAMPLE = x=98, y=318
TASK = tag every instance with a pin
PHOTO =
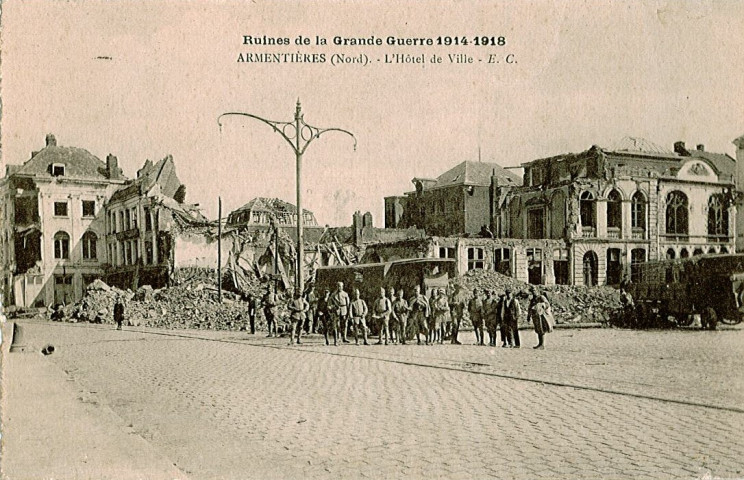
x=433, y=318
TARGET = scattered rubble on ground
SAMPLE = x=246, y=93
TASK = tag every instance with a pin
x=192, y=303
x=571, y=304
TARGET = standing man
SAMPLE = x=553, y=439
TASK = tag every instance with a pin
x=298, y=307
x=381, y=312
x=326, y=317
x=312, y=314
x=338, y=305
x=400, y=314
x=252, y=311
x=541, y=315
x=512, y=312
x=359, y=311
x=488, y=312
x=493, y=319
x=501, y=318
x=393, y=320
x=419, y=313
x=458, y=305
x=441, y=315
x=270, y=303
x=118, y=312
x=476, y=310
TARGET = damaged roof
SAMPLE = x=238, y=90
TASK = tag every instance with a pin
x=162, y=173
x=640, y=145
x=475, y=173
x=272, y=205
x=722, y=161
x=78, y=162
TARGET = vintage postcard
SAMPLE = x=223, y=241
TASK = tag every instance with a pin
x=371, y=239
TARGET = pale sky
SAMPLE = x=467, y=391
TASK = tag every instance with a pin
x=587, y=73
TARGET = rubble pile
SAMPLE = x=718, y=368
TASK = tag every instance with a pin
x=571, y=304
x=191, y=304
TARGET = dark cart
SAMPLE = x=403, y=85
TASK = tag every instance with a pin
x=709, y=285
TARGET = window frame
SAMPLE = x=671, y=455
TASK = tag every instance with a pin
x=66, y=205
x=61, y=241
x=90, y=203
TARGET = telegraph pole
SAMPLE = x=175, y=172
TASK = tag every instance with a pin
x=298, y=135
x=219, y=249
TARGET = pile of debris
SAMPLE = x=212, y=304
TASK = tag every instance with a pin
x=571, y=304
x=193, y=303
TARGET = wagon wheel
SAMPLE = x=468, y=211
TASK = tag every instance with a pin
x=709, y=318
x=730, y=321
x=683, y=320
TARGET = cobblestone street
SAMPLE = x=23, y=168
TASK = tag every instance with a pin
x=598, y=403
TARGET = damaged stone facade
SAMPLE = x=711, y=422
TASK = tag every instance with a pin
x=615, y=208
x=150, y=230
x=457, y=202
x=739, y=143
x=259, y=246
x=53, y=224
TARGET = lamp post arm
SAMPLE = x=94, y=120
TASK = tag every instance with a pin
x=317, y=132
x=277, y=126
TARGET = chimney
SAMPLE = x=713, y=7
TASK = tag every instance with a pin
x=701, y=147
x=739, y=142
x=679, y=148
x=112, y=167
x=357, y=227
x=51, y=141
x=367, y=220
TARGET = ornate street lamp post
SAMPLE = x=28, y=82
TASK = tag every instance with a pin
x=298, y=135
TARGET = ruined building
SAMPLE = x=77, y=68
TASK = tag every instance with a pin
x=261, y=239
x=68, y=218
x=150, y=230
x=616, y=207
x=582, y=219
x=53, y=224
x=457, y=202
x=739, y=142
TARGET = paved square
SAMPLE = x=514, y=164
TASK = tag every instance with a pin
x=595, y=404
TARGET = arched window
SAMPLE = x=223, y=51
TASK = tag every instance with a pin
x=61, y=245
x=676, y=214
x=89, y=246
x=638, y=215
x=614, y=214
x=587, y=210
x=717, y=216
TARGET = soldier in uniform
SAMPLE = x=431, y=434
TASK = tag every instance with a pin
x=270, y=304
x=118, y=312
x=441, y=315
x=338, y=306
x=393, y=320
x=358, y=313
x=500, y=318
x=298, y=307
x=476, y=309
x=311, y=325
x=488, y=307
x=325, y=315
x=400, y=314
x=493, y=319
x=381, y=312
x=458, y=306
x=252, y=301
x=419, y=306
x=512, y=312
